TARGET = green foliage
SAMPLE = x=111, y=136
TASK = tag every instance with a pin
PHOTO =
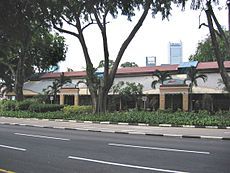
x=8, y=105
x=24, y=105
x=41, y=98
x=102, y=64
x=69, y=110
x=193, y=75
x=127, y=89
x=129, y=64
x=39, y=115
x=202, y=118
x=205, y=50
x=56, y=86
x=161, y=77
x=44, y=107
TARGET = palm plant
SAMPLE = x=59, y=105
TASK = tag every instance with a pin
x=56, y=86
x=162, y=76
x=193, y=75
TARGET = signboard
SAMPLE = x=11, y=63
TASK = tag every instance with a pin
x=144, y=98
x=51, y=98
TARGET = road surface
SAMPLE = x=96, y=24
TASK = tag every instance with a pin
x=38, y=150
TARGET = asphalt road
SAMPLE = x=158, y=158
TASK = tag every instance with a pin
x=39, y=150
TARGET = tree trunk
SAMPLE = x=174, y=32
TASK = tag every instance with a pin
x=19, y=80
x=219, y=58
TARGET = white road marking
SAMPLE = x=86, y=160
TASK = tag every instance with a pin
x=39, y=136
x=124, y=165
x=13, y=148
x=157, y=148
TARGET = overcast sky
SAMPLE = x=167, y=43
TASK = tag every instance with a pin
x=151, y=40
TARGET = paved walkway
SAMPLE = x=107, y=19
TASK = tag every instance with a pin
x=141, y=129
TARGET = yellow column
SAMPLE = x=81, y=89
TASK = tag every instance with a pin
x=185, y=101
x=61, y=99
x=162, y=101
x=76, y=98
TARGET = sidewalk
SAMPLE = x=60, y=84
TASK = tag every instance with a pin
x=122, y=128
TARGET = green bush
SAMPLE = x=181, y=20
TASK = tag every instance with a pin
x=77, y=110
x=44, y=107
x=24, y=105
x=8, y=105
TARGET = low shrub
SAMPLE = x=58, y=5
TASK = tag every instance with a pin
x=44, y=107
x=77, y=110
x=8, y=105
x=24, y=105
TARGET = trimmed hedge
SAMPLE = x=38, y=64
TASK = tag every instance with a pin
x=69, y=110
x=202, y=118
x=39, y=115
x=45, y=107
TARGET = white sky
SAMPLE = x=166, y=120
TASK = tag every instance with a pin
x=151, y=40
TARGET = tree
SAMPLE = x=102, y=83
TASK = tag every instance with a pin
x=193, y=75
x=161, y=77
x=127, y=91
x=214, y=34
x=27, y=42
x=81, y=14
x=102, y=64
x=16, y=18
x=205, y=51
x=129, y=64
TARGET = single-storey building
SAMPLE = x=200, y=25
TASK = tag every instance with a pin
x=174, y=93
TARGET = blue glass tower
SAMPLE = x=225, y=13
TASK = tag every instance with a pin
x=175, y=53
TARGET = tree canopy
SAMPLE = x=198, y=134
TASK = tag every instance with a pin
x=26, y=41
x=129, y=64
x=205, y=50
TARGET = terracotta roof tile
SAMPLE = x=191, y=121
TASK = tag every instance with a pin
x=211, y=65
x=138, y=70
x=69, y=74
x=134, y=70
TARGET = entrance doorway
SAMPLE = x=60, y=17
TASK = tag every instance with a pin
x=69, y=100
x=173, y=101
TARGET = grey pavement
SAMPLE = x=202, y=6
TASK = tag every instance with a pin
x=123, y=128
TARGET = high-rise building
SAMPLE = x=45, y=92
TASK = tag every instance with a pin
x=175, y=53
x=150, y=61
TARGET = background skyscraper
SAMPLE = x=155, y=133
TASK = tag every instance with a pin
x=175, y=52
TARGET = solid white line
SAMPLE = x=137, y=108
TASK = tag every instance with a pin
x=157, y=148
x=124, y=165
x=211, y=137
x=13, y=148
x=39, y=136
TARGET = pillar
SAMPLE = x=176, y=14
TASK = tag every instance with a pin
x=162, y=101
x=185, y=101
x=76, y=98
x=62, y=99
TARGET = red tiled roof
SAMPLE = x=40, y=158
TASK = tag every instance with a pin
x=69, y=74
x=135, y=70
x=211, y=65
x=139, y=70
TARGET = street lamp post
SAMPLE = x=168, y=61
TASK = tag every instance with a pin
x=228, y=4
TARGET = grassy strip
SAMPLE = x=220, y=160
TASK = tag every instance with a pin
x=177, y=118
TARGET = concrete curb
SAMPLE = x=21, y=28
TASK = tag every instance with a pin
x=142, y=124
x=133, y=124
x=121, y=132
